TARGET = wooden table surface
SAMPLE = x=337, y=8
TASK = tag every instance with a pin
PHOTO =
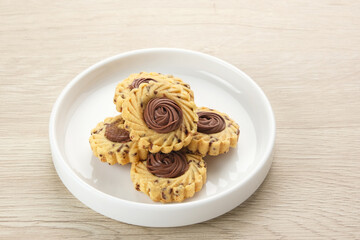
x=305, y=55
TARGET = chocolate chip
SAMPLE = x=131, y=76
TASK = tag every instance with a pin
x=186, y=132
x=156, y=181
x=122, y=96
x=171, y=190
x=163, y=194
x=134, y=154
x=110, y=152
x=100, y=155
x=113, y=144
x=168, y=181
x=237, y=132
x=188, y=151
x=137, y=187
x=119, y=149
x=114, y=100
x=155, y=92
x=226, y=117
x=126, y=151
x=141, y=105
x=178, y=96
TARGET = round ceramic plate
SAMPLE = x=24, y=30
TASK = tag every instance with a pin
x=231, y=177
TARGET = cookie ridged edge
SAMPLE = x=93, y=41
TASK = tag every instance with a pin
x=133, y=109
x=122, y=89
x=168, y=190
x=215, y=144
x=112, y=152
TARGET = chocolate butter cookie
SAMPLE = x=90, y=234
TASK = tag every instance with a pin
x=169, y=177
x=216, y=133
x=135, y=80
x=111, y=143
x=161, y=116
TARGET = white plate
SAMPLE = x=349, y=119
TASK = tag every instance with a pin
x=231, y=177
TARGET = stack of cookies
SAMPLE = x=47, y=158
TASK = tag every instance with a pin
x=164, y=136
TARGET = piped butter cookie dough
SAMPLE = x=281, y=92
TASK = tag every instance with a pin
x=135, y=80
x=161, y=116
x=111, y=143
x=216, y=133
x=169, y=177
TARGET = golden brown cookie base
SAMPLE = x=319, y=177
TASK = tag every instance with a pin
x=168, y=190
x=114, y=152
x=133, y=110
x=215, y=143
x=122, y=89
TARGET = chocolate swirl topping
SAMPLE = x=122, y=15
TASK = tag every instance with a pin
x=210, y=122
x=163, y=115
x=167, y=165
x=136, y=83
x=115, y=134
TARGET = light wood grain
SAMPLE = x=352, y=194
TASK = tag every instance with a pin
x=304, y=54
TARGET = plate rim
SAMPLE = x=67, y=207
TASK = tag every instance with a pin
x=56, y=151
